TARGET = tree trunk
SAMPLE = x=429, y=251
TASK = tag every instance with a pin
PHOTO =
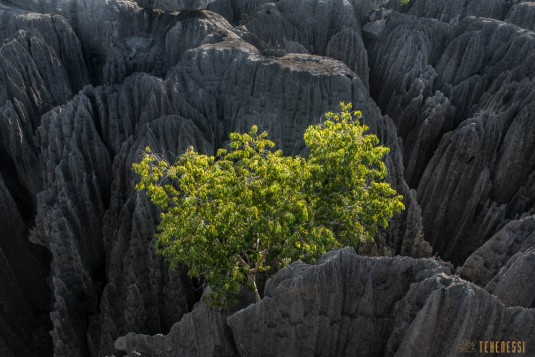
x=252, y=279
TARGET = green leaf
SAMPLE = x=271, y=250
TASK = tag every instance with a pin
x=251, y=209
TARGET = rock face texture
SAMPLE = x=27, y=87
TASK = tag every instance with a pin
x=86, y=85
x=175, y=5
x=348, y=305
x=504, y=265
x=460, y=93
x=202, y=332
x=522, y=15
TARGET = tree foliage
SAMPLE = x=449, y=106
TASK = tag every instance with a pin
x=251, y=209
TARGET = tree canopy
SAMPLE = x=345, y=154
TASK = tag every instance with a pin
x=250, y=209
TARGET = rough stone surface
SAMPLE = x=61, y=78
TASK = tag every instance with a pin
x=350, y=305
x=514, y=284
x=453, y=11
x=460, y=97
x=332, y=31
x=106, y=278
x=523, y=15
x=202, y=332
x=504, y=264
x=25, y=296
x=341, y=307
x=86, y=85
x=175, y=5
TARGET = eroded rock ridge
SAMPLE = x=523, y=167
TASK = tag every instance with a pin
x=86, y=85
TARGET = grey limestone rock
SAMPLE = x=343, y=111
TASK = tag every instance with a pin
x=449, y=88
x=39, y=71
x=374, y=29
x=25, y=296
x=69, y=218
x=486, y=262
x=462, y=87
x=89, y=219
x=236, y=11
x=314, y=311
x=348, y=304
x=453, y=11
x=175, y=5
x=440, y=313
x=342, y=306
x=514, y=285
x=141, y=294
x=201, y=333
x=403, y=73
x=504, y=264
x=434, y=119
x=492, y=141
x=523, y=15
x=403, y=78
x=333, y=30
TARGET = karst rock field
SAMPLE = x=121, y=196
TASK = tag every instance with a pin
x=86, y=85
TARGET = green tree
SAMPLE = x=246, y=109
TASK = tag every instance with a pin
x=250, y=209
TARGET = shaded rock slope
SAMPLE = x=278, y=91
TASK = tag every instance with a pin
x=347, y=305
x=85, y=85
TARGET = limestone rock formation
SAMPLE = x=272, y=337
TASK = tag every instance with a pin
x=451, y=11
x=86, y=85
x=25, y=296
x=174, y=5
x=523, y=15
x=339, y=307
x=334, y=32
x=460, y=95
x=347, y=305
x=504, y=264
x=202, y=332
